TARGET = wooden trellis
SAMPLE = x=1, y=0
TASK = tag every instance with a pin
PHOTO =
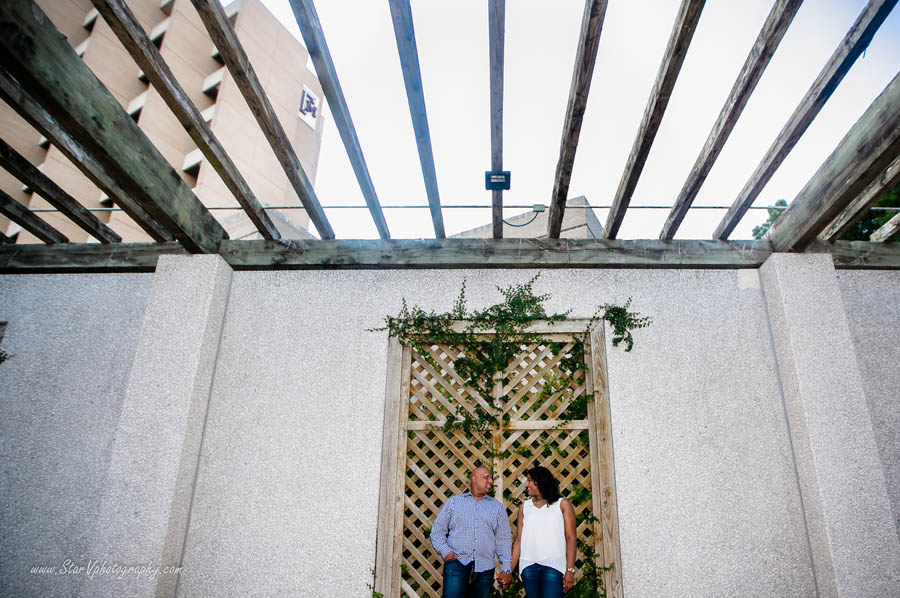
x=423, y=465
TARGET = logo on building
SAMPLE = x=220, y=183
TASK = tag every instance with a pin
x=309, y=107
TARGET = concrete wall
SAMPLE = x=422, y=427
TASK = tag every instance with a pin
x=72, y=340
x=872, y=304
x=284, y=412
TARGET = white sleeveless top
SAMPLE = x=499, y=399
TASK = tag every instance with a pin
x=543, y=536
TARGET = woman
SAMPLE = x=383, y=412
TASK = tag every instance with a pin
x=545, y=539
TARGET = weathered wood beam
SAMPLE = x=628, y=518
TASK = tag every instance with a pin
x=22, y=169
x=679, y=40
x=888, y=230
x=38, y=118
x=857, y=208
x=497, y=34
x=46, y=66
x=129, y=31
x=865, y=152
x=859, y=255
x=5, y=240
x=401, y=15
x=232, y=52
x=85, y=257
x=22, y=216
x=441, y=253
x=588, y=42
x=770, y=36
x=494, y=253
x=314, y=37
x=844, y=56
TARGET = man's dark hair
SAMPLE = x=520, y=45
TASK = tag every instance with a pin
x=547, y=485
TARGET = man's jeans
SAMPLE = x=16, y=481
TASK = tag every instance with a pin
x=542, y=582
x=457, y=581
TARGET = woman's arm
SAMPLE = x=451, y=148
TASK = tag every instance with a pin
x=517, y=544
x=569, y=524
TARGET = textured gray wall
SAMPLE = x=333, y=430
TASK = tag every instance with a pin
x=72, y=338
x=286, y=499
x=872, y=303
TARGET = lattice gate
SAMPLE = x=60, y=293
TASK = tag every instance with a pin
x=423, y=465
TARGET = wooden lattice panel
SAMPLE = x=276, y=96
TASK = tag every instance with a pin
x=438, y=462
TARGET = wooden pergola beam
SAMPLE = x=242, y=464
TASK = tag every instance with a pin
x=232, y=52
x=314, y=37
x=854, y=43
x=496, y=35
x=679, y=40
x=85, y=257
x=888, y=230
x=47, y=67
x=495, y=253
x=401, y=16
x=38, y=118
x=22, y=169
x=588, y=42
x=129, y=31
x=865, y=152
x=857, y=208
x=441, y=254
x=770, y=36
x=22, y=216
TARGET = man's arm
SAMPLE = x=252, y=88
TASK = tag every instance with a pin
x=440, y=529
x=504, y=540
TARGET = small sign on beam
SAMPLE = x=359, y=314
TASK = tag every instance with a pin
x=496, y=180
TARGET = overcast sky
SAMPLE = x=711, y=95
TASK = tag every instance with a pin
x=540, y=49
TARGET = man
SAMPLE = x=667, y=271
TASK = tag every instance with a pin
x=470, y=529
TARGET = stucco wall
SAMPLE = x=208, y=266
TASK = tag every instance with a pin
x=286, y=497
x=872, y=304
x=72, y=338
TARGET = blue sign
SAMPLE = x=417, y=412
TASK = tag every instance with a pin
x=496, y=179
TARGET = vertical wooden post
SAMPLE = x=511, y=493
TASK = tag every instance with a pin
x=603, y=478
x=393, y=467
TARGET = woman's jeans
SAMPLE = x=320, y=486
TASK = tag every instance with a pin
x=542, y=582
x=459, y=582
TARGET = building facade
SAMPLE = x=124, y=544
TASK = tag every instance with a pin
x=281, y=63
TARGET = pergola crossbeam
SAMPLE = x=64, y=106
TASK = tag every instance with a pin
x=770, y=36
x=401, y=15
x=232, y=52
x=47, y=67
x=22, y=216
x=864, y=153
x=129, y=31
x=38, y=118
x=586, y=57
x=844, y=56
x=888, y=230
x=679, y=40
x=441, y=254
x=314, y=37
x=41, y=184
x=496, y=34
x=857, y=208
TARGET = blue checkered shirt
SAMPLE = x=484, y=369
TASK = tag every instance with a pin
x=474, y=530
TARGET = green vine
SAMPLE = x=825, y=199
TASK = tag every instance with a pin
x=484, y=358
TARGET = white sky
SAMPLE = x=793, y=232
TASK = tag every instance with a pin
x=452, y=39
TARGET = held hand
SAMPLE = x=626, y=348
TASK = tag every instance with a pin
x=568, y=581
x=450, y=557
x=505, y=579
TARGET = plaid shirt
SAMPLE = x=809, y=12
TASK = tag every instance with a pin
x=474, y=530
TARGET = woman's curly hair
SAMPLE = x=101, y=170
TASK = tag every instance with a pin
x=547, y=485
